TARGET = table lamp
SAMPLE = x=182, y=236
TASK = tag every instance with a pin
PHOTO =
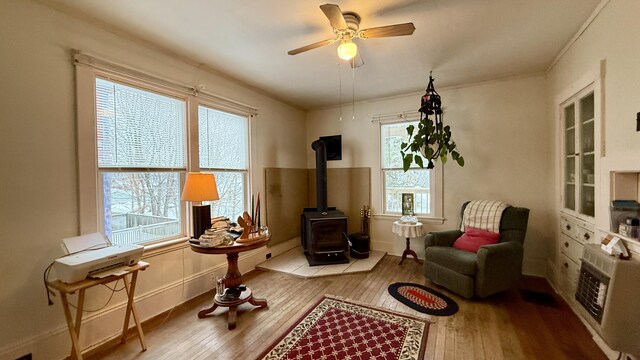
x=200, y=187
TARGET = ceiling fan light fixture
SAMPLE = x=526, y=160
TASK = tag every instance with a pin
x=347, y=50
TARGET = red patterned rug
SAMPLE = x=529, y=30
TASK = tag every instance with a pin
x=336, y=329
x=423, y=299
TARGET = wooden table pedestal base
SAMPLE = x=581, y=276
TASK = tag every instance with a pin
x=408, y=252
x=232, y=303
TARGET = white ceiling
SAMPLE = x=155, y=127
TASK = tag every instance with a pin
x=462, y=41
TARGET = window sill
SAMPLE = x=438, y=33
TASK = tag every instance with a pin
x=422, y=219
x=165, y=247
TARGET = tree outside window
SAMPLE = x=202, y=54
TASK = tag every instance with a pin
x=416, y=181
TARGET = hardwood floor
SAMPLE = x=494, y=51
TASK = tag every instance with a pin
x=499, y=327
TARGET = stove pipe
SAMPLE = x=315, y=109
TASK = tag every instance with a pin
x=321, y=174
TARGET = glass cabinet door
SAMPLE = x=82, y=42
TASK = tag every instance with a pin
x=578, y=118
x=587, y=155
x=570, y=157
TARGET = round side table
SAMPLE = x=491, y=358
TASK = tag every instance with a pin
x=233, y=278
x=408, y=231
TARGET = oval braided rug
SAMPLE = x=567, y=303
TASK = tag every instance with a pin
x=423, y=299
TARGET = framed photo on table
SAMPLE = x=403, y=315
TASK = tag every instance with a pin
x=407, y=204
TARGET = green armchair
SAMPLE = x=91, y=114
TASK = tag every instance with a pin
x=494, y=268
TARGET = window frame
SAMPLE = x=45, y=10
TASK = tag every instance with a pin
x=435, y=178
x=90, y=186
x=245, y=172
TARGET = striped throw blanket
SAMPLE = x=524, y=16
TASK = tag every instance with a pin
x=483, y=214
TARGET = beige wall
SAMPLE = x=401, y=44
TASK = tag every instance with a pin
x=505, y=135
x=506, y=131
x=39, y=185
x=612, y=37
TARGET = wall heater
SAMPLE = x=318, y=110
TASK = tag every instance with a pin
x=609, y=292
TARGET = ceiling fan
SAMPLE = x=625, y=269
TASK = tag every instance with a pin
x=346, y=26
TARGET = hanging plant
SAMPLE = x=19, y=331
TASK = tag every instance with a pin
x=432, y=140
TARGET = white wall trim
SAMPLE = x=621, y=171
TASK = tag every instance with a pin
x=534, y=267
x=422, y=219
x=218, y=101
x=282, y=247
x=387, y=247
x=551, y=276
x=578, y=34
x=418, y=94
x=592, y=76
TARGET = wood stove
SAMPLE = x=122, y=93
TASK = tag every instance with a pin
x=323, y=229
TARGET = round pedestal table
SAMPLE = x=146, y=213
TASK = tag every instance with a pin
x=408, y=231
x=233, y=295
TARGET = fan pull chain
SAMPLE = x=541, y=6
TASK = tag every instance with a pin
x=340, y=85
x=353, y=91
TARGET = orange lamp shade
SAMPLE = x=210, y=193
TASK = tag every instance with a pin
x=200, y=187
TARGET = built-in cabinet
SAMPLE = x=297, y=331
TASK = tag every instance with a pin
x=578, y=156
x=605, y=288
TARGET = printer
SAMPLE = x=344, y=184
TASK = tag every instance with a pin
x=80, y=264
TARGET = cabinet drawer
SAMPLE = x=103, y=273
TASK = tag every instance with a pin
x=571, y=248
x=570, y=272
x=568, y=227
x=583, y=235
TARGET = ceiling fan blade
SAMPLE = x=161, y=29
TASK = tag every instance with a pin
x=311, y=46
x=357, y=61
x=334, y=14
x=389, y=30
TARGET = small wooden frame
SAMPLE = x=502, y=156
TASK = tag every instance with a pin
x=407, y=204
x=74, y=326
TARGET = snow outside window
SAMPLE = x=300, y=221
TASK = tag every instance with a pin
x=416, y=181
x=141, y=153
x=224, y=151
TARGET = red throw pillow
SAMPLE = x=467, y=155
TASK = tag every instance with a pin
x=473, y=238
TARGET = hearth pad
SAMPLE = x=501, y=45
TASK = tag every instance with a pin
x=326, y=259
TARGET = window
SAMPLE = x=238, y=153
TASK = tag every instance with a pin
x=138, y=135
x=422, y=183
x=141, y=154
x=224, y=150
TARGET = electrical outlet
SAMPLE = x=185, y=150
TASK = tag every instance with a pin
x=268, y=256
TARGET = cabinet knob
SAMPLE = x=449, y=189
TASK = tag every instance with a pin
x=566, y=244
x=568, y=227
x=586, y=236
x=566, y=265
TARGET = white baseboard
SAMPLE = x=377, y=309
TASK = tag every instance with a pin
x=387, y=247
x=282, y=247
x=608, y=352
x=105, y=325
x=397, y=248
x=534, y=267
x=551, y=276
x=531, y=267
